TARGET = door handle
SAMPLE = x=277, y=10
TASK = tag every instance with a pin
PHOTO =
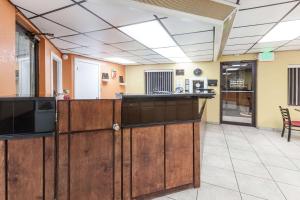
x=116, y=127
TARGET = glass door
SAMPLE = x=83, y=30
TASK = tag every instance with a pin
x=238, y=93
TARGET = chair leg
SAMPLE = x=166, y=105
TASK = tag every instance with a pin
x=289, y=135
x=283, y=130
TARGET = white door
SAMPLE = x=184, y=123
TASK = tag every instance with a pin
x=87, y=84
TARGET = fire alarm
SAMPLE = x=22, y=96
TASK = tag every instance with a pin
x=65, y=56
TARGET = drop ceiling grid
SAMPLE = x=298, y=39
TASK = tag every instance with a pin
x=251, y=31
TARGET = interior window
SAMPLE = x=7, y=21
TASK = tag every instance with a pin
x=26, y=63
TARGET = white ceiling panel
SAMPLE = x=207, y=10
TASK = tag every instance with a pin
x=250, y=30
x=26, y=13
x=244, y=4
x=41, y=6
x=84, y=50
x=194, y=38
x=63, y=44
x=199, y=53
x=122, y=54
x=110, y=36
x=197, y=47
x=234, y=52
x=288, y=48
x=47, y=26
x=268, y=45
x=243, y=40
x=294, y=15
x=293, y=42
x=143, y=52
x=180, y=26
x=129, y=46
x=163, y=60
x=262, y=15
x=154, y=56
x=83, y=40
x=238, y=47
x=202, y=58
x=118, y=14
x=78, y=19
x=105, y=49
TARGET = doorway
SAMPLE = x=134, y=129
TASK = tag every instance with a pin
x=238, y=93
x=56, y=76
x=87, y=79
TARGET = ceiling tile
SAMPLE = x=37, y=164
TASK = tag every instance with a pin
x=243, y=40
x=202, y=58
x=244, y=4
x=199, y=53
x=289, y=48
x=197, y=47
x=63, y=44
x=47, y=26
x=262, y=15
x=26, y=13
x=43, y=6
x=180, y=26
x=143, y=52
x=129, y=46
x=162, y=61
x=110, y=36
x=122, y=54
x=234, y=52
x=294, y=15
x=250, y=30
x=293, y=42
x=105, y=49
x=254, y=50
x=268, y=45
x=238, y=47
x=194, y=38
x=83, y=40
x=118, y=14
x=154, y=56
x=78, y=19
x=84, y=51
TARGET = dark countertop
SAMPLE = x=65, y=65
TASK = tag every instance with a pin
x=204, y=95
x=26, y=136
x=14, y=98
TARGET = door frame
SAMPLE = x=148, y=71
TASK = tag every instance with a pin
x=75, y=75
x=56, y=58
x=254, y=86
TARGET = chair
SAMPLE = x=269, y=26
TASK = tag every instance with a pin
x=288, y=123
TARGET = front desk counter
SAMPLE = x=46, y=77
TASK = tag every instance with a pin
x=97, y=156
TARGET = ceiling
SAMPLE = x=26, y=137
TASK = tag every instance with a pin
x=90, y=28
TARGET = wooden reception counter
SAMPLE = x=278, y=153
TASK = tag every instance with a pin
x=135, y=148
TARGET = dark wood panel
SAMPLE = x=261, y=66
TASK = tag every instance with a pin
x=63, y=116
x=179, y=155
x=117, y=109
x=49, y=158
x=62, y=173
x=117, y=166
x=197, y=154
x=2, y=170
x=147, y=160
x=91, y=165
x=91, y=115
x=25, y=169
x=126, y=167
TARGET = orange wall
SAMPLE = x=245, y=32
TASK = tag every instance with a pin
x=108, y=89
x=7, y=49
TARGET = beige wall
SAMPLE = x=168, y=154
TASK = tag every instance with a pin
x=271, y=84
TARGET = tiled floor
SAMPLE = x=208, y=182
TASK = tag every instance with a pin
x=245, y=163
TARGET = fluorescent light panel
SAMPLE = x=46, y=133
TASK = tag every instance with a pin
x=283, y=31
x=155, y=37
x=119, y=60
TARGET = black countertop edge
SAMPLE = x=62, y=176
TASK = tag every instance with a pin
x=26, y=136
x=159, y=123
x=199, y=95
x=11, y=98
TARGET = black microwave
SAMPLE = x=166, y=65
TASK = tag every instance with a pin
x=27, y=115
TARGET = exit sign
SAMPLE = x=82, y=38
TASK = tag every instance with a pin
x=266, y=56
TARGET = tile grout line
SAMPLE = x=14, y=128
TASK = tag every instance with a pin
x=264, y=165
x=232, y=164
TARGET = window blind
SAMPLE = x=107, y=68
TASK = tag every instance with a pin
x=294, y=85
x=158, y=81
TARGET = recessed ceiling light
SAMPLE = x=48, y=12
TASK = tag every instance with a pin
x=283, y=31
x=173, y=53
x=119, y=60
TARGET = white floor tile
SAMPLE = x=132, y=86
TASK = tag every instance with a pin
x=210, y=192
x=285, y=176
x=220, y=177
x=216, y=150
x=259, y=187
x=190, y=194
x=250, y=168
x=250, y=197
x=217, y=161
x=290, y=192
x=277, y=161
x=244, y=155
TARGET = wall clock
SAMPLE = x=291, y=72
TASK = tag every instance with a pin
x=197, y=72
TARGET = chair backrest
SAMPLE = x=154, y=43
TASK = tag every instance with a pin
x=285, y=116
